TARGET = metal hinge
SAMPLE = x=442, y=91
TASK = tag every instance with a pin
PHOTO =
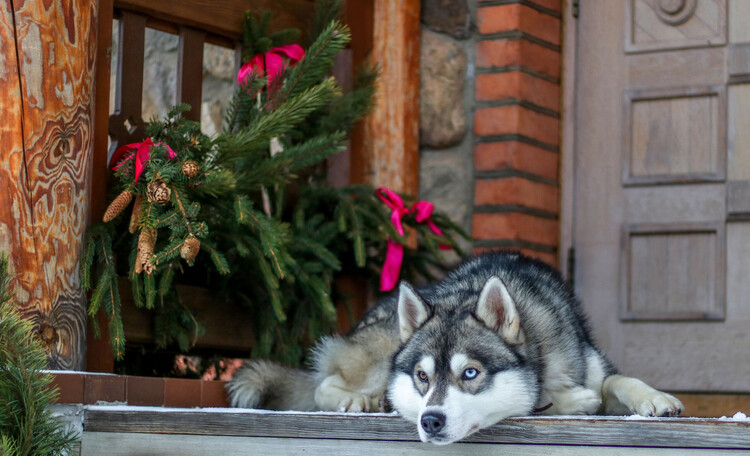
x=576, y=8
x=571, y=273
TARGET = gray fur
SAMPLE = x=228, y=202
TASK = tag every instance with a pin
x=508, y=320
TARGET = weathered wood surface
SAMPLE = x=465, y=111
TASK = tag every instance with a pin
x=46, y=74
x=116, y=444
x=589, y=431
x=390, y=156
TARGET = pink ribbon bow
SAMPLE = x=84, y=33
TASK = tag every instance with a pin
x=394, y=256
x=141, y=152
x=270, y=64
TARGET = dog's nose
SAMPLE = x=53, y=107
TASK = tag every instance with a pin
x=433, y=422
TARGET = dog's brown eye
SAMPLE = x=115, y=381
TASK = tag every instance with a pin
x=422, y=376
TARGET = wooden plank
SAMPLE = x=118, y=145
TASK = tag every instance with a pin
x=190, y=71
x=126, y=124
x=116, y=444
x=738, y=200
x=45, y=164
x=222, y=333
x=594, y=431
x=391, y=153
x=222, y=18
x=99, y=356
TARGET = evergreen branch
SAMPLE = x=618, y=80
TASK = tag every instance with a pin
x=318, y=59
x=27, y=426
x=273, y=235
x=149, y=285
x=274, y=123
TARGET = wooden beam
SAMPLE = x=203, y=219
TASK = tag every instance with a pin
x=391, y=133
x=48, y=52
x=222, y=18
x=585, y=430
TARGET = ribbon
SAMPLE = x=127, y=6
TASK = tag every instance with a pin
x=141, y=152
x=394, y=255
x=270, y=64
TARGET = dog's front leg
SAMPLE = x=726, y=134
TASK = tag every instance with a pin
x=627, y=395
x=335, y=394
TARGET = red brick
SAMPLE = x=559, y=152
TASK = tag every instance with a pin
x=516, y=119
x=547, y=257
x=520, y=86
x=103, y=388
x=503, y=18
x=182, y=392
x=517, y=191
x=214, y=394
x=504, y=53
x=145, y=391
x=516, y=226
x=516, y=155
x=69, y=386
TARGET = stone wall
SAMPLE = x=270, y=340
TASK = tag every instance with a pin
x=490, y=112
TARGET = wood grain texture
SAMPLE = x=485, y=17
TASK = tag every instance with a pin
x=589, y=431
x=45, y=164
x=116, y=444
x=390, y=156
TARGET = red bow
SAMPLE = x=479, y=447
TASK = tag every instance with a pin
x=394, y=256
x=271, y=63
x=141, y=151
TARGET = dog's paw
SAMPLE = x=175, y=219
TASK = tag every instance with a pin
x=657, y=403
x=354, y=403
x=574, y=401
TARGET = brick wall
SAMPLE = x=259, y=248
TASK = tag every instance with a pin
x=517, y=126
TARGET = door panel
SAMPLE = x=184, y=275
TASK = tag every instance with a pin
x=661, y=205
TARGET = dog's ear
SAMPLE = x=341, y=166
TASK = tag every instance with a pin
x=412, y=311
x=497, y=309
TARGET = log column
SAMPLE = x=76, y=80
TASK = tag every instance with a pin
x=391, y=133
x=47, y=55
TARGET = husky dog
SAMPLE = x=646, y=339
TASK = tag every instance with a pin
x=500, y=336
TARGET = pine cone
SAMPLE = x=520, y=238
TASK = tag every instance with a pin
x=190, y=248
x=158, y=192
x=190, y=169
x=117, y=205
x=146, y=242
x=135, y=217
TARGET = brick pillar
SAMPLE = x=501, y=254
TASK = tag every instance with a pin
x=517, y=127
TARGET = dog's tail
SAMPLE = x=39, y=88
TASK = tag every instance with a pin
x=267, y=385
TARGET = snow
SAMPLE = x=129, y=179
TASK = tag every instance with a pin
x=137, y=408
x=739, y=416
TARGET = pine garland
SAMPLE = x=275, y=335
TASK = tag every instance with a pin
x=198, y=203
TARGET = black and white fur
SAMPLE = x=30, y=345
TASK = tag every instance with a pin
x=500, y=336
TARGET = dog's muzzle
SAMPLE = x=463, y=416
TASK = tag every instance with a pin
x=432, y=423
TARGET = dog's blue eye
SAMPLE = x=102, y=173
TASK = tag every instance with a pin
x=470, y=374
x=422, y=376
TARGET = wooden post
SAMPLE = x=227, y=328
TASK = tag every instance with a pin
x=47, y=54
x=390, y=155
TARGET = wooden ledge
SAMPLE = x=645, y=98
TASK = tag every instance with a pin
x=699, y=433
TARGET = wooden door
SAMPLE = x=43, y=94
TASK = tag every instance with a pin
x=661, y=187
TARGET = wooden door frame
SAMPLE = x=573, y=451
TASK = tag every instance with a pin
x=568, y=140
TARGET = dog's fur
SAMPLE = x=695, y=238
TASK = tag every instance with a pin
x=500, y=336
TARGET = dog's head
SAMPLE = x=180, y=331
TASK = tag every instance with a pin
x=459, y=371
